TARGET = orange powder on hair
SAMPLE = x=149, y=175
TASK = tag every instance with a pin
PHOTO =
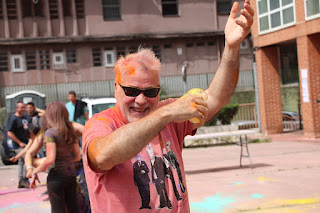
x=118, y=75
x=130, y=70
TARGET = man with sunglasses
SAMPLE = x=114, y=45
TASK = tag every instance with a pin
x=112, y=138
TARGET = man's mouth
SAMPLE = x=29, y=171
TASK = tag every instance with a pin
x=139, y=109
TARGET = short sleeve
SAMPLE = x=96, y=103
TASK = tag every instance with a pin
x=50, y=136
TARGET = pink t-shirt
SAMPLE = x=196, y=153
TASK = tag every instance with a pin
x=152, y=181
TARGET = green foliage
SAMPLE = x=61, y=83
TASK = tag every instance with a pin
x=225, y=115
x=3, y=114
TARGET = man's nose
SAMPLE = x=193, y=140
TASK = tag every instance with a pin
x=141, y=99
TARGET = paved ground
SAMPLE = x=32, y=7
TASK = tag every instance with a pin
x=285, y=178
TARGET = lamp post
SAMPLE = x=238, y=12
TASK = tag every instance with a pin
x=184, y=75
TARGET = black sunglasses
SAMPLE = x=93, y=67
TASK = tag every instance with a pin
x=134, y=92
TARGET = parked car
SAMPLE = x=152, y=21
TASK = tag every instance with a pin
x=291, y=120
x=98, y=104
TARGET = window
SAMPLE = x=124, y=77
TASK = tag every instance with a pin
x=71, y=56
x=200, y=44
x=31, y=8
x=274, y=15
x=133, y=49
x=44, y=59
x=244, y=45
x=167, y=46
x=121, y=51
x=17, y=63
x=111, y=10
x=169, y=7
x=1, y=12
x=96, y=57
x=312, y=8
x=66, y=4
x=53, y=9
x=31, y=60
x=11, y=9
x=224, y=7
x=289, y=64
x=211, y=43
x=80, y=8
x=189, y=45
x=109, y=58
x=157, y=51
x=58, y=60
x=3, y=61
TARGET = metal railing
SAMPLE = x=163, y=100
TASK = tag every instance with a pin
x=246, y=116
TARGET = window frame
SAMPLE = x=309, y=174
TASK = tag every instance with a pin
x=4, y=61
x=105, y=58
x=166, y=3
x=31, y=60
x=71, y=56
x=224, y=12
x=269, y=13
x=54, y=58
x=21, y=61
x=111, y=6
x=312, y=16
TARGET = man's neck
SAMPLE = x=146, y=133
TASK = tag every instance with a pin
x=18, y=114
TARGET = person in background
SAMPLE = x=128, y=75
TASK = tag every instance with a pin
x=34, y=114
x=142, y=124
x=78, y=111
x=62, y=152
x=18, y=132
x=32, y=132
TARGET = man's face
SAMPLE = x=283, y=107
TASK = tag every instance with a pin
x=72, y=98
x=134, y=108
x=30, y=109
x=20, y=108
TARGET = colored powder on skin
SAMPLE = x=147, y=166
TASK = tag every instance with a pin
x=212, y=204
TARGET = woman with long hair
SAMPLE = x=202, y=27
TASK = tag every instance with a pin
x=62, y=151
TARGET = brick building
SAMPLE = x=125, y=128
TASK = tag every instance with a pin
x=286, y=37
x=53, y=46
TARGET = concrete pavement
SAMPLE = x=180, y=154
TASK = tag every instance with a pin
x=285, y=178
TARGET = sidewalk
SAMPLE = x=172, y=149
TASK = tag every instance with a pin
x=285, y=178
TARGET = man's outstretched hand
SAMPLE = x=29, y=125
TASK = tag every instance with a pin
x=237, y=28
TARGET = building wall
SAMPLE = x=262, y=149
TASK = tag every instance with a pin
x=194, y=36
x=305, y=34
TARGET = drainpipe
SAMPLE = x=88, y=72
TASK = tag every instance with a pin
x=256, y=89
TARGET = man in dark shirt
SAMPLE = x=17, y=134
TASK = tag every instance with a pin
x=33, y=114
x=17, y=131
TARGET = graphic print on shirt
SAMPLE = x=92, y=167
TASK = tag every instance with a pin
x=176, y=166
x=158, y=172
x=142, y=180
x=25, y=123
